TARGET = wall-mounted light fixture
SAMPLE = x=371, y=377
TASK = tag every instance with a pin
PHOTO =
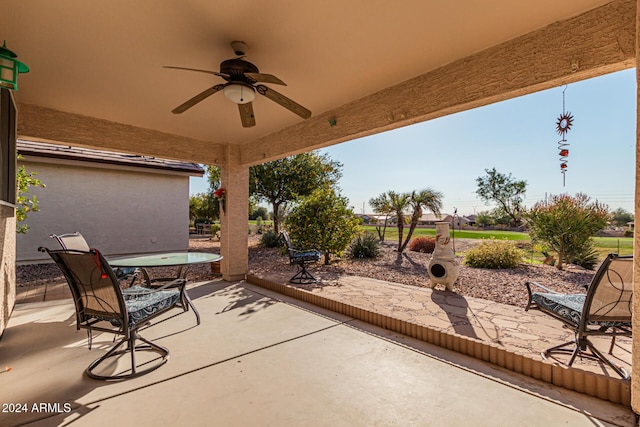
x=10, y=68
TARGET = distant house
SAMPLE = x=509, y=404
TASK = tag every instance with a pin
x=431, y=219
x=121, y=203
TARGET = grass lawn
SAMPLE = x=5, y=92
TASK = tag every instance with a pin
x=392, y=233
x=603, y=245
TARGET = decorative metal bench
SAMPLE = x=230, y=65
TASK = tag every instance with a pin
x=301, y=258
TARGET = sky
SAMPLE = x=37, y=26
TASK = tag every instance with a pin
x=517, y=137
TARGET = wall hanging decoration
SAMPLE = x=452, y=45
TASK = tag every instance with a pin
x=564, y=123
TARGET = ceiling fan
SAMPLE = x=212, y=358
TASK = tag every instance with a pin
x=242, y=82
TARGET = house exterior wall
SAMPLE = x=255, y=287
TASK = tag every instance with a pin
x=7, y=264
x=119, y=211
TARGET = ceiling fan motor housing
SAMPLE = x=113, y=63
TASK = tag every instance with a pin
x=236, y=68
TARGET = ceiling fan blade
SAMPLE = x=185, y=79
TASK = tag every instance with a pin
x=199, y=97
x=246, y=115
x=287, y=103
x=215, y=73
x=265, y=78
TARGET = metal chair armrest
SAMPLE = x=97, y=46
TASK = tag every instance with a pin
x=530, y=303
x=536, y=284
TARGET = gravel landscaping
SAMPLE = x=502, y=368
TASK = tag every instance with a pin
x=410, y=268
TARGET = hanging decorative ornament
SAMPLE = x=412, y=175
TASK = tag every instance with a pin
x=563, y=125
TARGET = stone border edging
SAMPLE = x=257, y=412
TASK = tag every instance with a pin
x=607, y=388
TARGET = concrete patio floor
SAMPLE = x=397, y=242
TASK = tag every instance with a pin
x=262, y=358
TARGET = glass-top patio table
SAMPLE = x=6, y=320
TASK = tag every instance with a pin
x=165, y=259
x=181, y=260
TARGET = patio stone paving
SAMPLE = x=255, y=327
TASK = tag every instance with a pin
x=263, y=358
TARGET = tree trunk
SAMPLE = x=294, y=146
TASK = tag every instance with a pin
x=414, y=223
x=384, y=230
x=560, y=257
x=327, y=258
x=400, y=231
x=276, y=219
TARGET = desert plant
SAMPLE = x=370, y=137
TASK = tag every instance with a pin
x=423, y=244
x=270, y=239
x=494, y=254
x=585, y=256
x=566, y=224
x=364, y=246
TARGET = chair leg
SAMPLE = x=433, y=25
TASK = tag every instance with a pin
x=303, y=277
x=189, y=303
x=131, y=348
x=613, y=342
x=580, y=348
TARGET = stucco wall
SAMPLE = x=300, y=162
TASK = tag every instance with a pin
x=7, y=264
x=118, y=211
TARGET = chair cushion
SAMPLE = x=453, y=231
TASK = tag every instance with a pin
x=141, y=303
x=565, y=306
x=305, y=256
x=124, y=272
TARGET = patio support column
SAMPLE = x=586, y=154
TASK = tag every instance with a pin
x=234, y=236
x=635, y=349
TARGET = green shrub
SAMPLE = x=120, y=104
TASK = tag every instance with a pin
x=270, y=239
x=423, y=244
x=585, y=255
x=628, y=233
x=365, y=246
x=494, y=254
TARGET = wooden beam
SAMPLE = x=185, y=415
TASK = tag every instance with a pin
x=49, y=125
x=595, y=43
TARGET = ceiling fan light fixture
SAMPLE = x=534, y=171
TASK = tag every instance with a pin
x=239, y=93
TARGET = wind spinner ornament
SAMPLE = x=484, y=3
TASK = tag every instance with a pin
x=562, y=127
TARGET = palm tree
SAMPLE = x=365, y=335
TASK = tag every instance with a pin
x=426, y=199
x=399, y=202
x=382, y=206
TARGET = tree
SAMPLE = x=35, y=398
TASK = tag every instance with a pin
x=287, y=180
x=24, y=203
x=203, y=206
x=621, y=218
x=503, y=190
x=494, y=217
x=259, y=212
x=399, y=204
x=426, y=199
x=382, y=206
x=324, y=222
x=566, y=224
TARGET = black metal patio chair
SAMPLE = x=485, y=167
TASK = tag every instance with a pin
x=605, y=310
x=300, y=258
x=102, y=306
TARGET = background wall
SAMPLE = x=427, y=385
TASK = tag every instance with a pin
x=119, y=211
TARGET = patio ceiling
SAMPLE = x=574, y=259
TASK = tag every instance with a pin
x=97, y=76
